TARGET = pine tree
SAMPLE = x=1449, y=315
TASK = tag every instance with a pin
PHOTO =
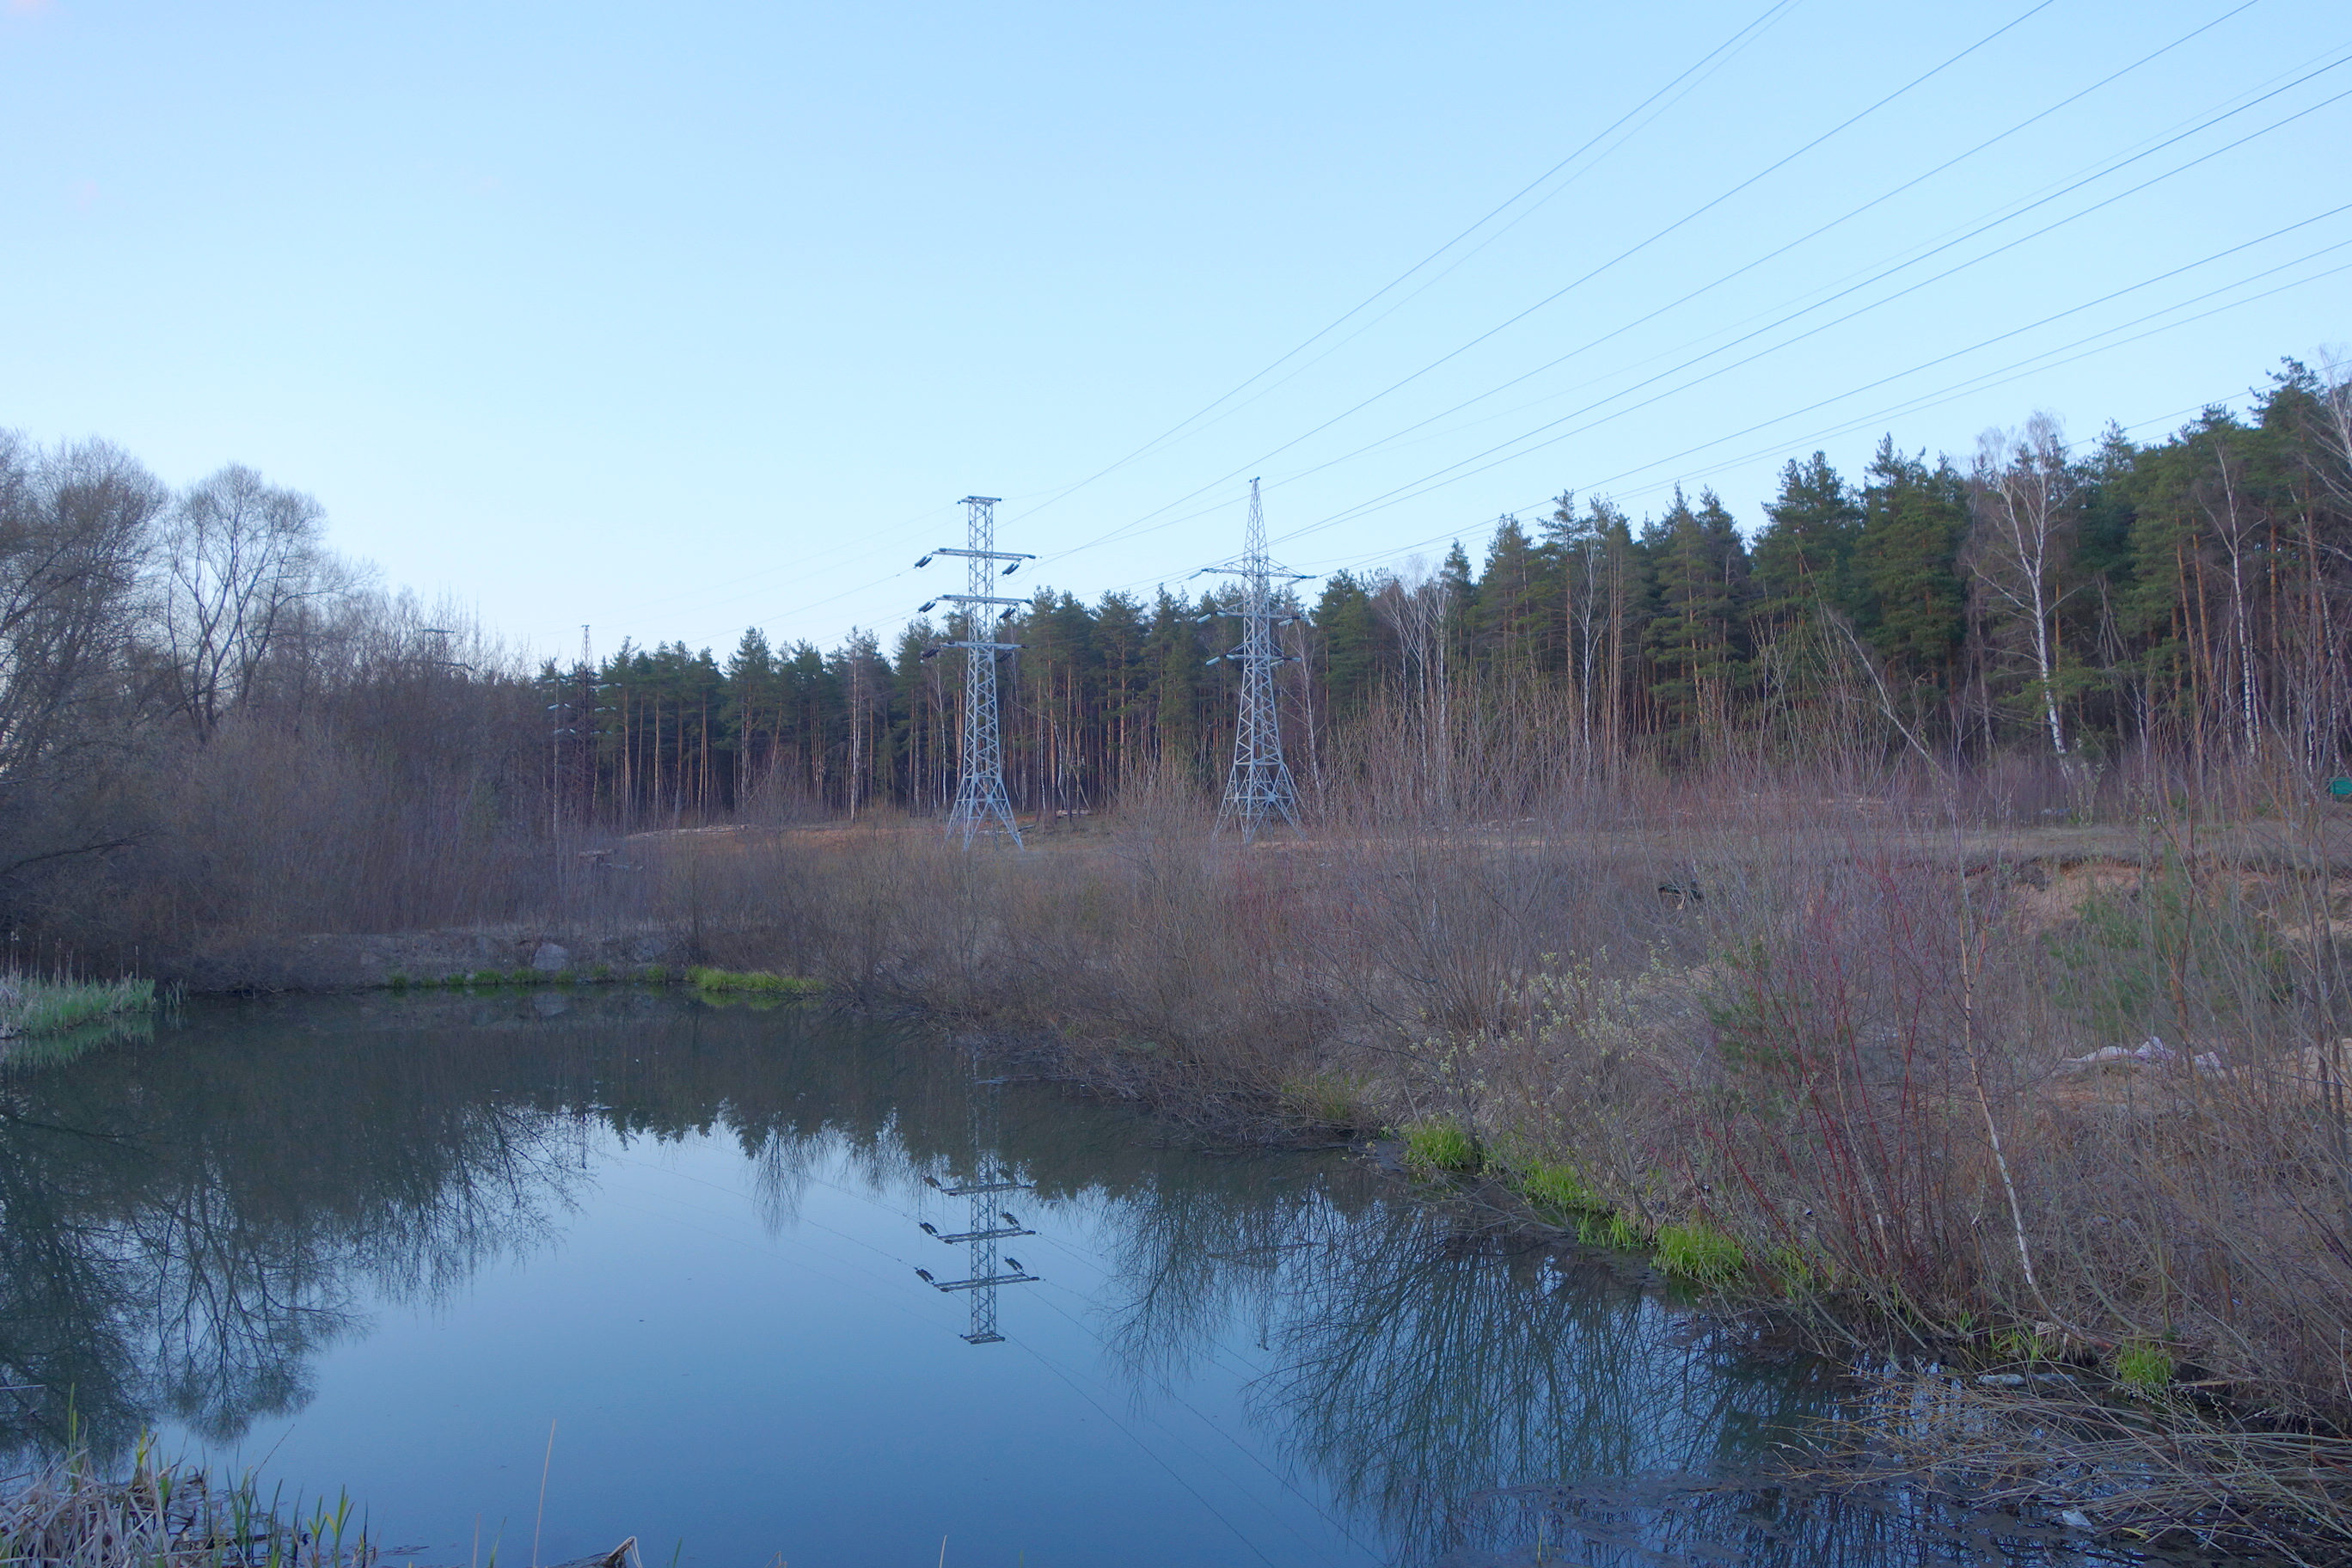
x=1513, y=607
x=1698, y=642
x=1803, y=557
x=1909, y=603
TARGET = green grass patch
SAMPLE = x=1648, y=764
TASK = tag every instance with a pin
x=757, y=981
x=63, y=1046
x=2020, y=1344
x=1616, y=1231
x=1439, y=1144
x=486, y=977
x=1697, y=1251
x=34, y=1008
x=1558, y=1191
x=2143, y=1366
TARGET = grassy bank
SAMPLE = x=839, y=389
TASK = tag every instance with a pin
x=32, y=1006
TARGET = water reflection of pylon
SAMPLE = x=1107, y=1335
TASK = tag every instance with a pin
x=988, y=1180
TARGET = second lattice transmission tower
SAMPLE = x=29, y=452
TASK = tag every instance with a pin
x=981, y=802
x=1259, y=787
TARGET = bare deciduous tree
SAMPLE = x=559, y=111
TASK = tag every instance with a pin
x=73, y=531
x=1420, y=606
x=2238, y=528
x=239, y=554
x=2333, y=427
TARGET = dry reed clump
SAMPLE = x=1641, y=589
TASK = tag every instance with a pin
x=66, y=1515
x=2144, y=1465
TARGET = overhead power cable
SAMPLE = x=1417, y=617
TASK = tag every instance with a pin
x=2109, y=168
x=1745, y=35
x=1441, y=476
x=1688, y=78
x=2015, y=371
x=1627, y=254
x=1847, y=217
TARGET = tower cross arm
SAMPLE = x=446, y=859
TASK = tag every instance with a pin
x=1252, y=571
x=990, y=554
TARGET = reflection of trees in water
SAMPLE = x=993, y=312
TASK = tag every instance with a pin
x=1195, y=1254
x=1419, y=1370
x=182, y=1223
x=1475, y=1398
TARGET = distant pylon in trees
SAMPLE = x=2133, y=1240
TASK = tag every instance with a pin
x=1259, y=787
x=980, y=798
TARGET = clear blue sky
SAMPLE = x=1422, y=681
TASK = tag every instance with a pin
x=677, y=319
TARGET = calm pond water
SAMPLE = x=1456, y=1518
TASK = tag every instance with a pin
x=388, y=1245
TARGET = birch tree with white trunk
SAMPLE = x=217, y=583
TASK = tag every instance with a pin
x=2022, y=496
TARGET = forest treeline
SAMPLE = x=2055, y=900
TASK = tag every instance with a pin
x=204, y=711
x=2181, y=604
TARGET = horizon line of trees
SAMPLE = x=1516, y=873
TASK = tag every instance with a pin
x=205, y=712
x=2186, y=601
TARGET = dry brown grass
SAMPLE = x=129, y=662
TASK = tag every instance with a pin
x=1845, y=1046
x=69, y=1515
x=1813, y=1050
x=2150, y=1469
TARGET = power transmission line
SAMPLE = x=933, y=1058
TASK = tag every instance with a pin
x=1816, y=233
x=1518, y=197
x=1697, y=70
x=1738, y=39
x=1587, y=277
x=1420, y=485
x=2015, y=371
x=1439, y=478
x=2032, y=363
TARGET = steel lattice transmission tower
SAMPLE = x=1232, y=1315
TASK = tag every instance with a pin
x=1259, y=788
x=980, y=797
